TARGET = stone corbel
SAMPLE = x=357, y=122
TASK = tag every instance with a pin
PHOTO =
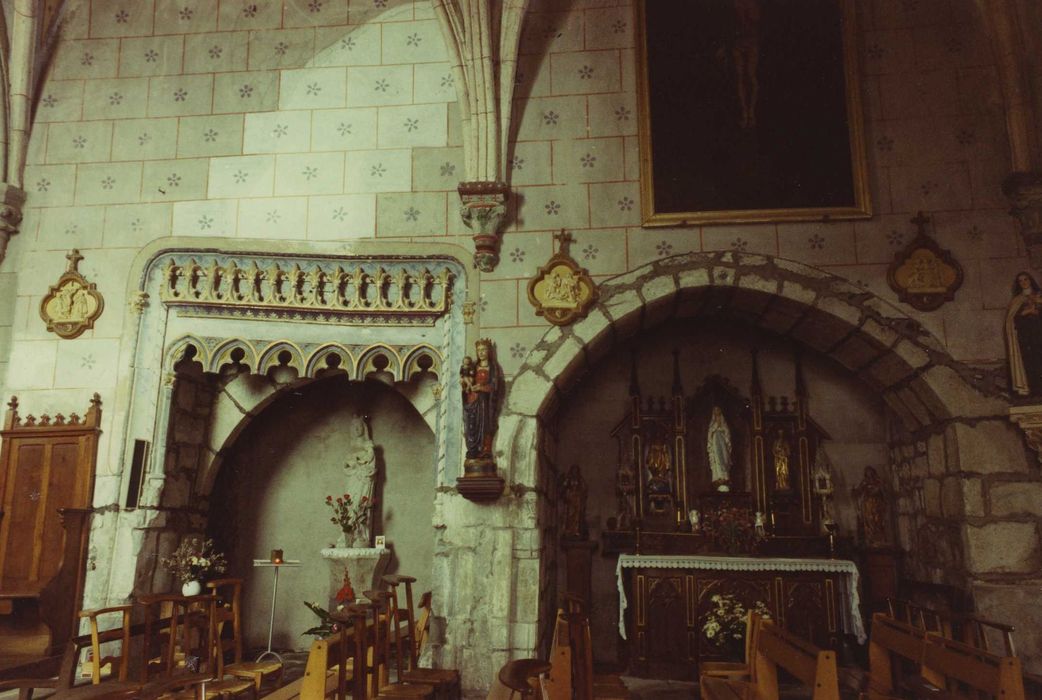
x=11, y=200
x=1029, y=420
x=483, y=208
x=1024, y=190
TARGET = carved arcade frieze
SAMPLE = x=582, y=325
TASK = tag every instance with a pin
x=371, y=292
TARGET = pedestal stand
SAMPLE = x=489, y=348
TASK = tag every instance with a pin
x=365, y=565
x=274, y=596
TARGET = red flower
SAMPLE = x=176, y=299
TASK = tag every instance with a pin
x=329, y=499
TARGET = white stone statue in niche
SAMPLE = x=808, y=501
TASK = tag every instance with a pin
x=360, y=469
x=718, y=448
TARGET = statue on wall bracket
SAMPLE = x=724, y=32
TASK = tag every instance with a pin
x=562, y=292
x=924, y=275
x=72, y=305
x=481, y=382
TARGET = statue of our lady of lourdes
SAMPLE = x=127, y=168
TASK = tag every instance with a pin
x=718, y=448
x=360, y=469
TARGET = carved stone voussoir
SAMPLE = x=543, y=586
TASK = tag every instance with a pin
x=1029, y=420
x=483, y=207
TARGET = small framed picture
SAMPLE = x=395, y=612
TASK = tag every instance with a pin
x=381, y=542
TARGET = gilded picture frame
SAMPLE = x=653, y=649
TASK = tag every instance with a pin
x=745, y=113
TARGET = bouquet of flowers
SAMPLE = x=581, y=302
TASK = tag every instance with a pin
x=348, y=515
x=732, y=529
x=726, y=622
x=195, y=560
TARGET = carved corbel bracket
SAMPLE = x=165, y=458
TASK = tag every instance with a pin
x=11, y=200
x=482, y=208
x=1029, y=420
x=1024, y=190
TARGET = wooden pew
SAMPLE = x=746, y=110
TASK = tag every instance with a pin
x=894, y=646
x=777, y=648
x=571, y=675
x=959, y=667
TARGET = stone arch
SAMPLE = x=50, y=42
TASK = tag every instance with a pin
x=931, y=395
x=893, y=353
x=272, y=357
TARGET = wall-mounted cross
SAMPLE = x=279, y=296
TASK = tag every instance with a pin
x=564, y=241
x=74, y=258
x=920, y=221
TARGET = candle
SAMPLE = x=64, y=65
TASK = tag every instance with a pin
x=276, y=556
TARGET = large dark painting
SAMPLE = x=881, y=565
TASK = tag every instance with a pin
x=750, y=111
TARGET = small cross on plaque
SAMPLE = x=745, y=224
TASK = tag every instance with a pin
x=920, y=221
x=564, y=241
x=74, y=258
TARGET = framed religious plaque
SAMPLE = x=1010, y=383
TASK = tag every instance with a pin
x=562, y=292
x=72, y=305
x=749, y=110
x=924, y=275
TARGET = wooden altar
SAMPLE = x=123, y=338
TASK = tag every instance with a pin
x=664, y=603
x=723, y=497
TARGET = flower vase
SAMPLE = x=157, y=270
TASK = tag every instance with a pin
x=190, y=588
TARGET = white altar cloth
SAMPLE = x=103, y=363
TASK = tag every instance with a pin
x=719, y=563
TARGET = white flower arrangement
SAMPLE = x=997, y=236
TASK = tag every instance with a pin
x=726, y=622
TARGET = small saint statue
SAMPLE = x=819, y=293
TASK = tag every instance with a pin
x=360, y=474
x=1024, y=336
x=718, y=449
x=695, y=519
x=781, y=462
x=573, y=496
x=872, y=509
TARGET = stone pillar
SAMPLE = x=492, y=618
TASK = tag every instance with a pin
x=482, y=210
x=1024, y=190
x=11, y=200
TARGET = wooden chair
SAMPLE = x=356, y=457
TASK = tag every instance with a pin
x=571, y=664
x=776, y=648
x=227, y=615
x=117, y=660
x=193, y=629
x=521, y=676
x=327, y=672
x=736, y=670
x=380, y=685
x=446, y=681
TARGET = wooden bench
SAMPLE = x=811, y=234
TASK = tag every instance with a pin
x=893, y=648
x=776, y=648
x=955, y=668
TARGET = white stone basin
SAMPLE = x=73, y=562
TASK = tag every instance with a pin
x=365, y=565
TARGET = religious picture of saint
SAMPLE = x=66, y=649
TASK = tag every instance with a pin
x=659, y=463
x=1024, y=336
x=872, y=509
x=781, y=452
x=718, y=449
x=480, y=385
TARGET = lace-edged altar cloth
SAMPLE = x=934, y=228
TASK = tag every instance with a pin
x=851, y=621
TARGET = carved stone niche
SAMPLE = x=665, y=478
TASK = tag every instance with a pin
x=1029, y=420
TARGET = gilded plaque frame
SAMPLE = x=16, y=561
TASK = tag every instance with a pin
x=858, y=208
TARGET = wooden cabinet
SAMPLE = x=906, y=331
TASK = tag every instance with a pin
x=668, y=607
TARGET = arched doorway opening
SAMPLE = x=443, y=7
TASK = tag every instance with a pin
x=270, y=490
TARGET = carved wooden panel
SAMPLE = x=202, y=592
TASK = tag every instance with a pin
x=46, y=464
x=668, y=609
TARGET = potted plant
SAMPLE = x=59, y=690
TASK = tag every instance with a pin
x=194, y=561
